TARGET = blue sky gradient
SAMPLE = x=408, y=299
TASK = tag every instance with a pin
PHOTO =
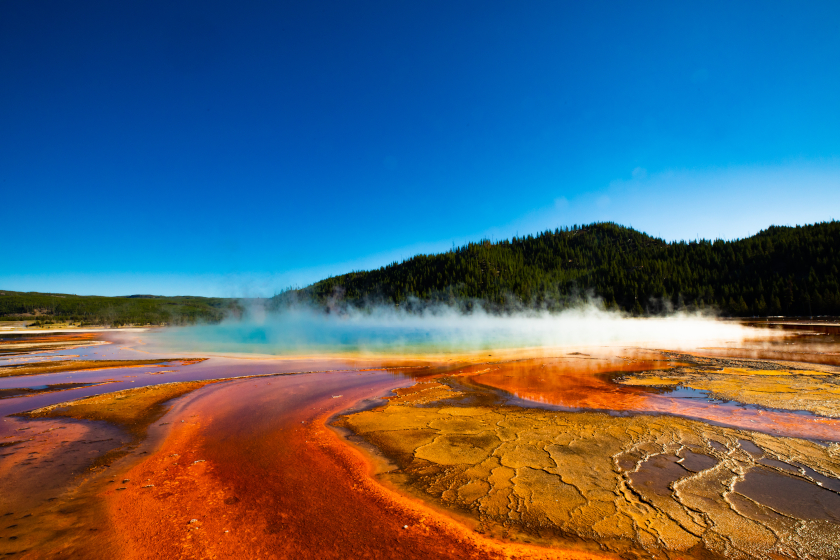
x=237, y=148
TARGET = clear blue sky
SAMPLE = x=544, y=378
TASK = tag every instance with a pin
x=236, y=148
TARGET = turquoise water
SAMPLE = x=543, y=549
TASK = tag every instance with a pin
x=442, y=332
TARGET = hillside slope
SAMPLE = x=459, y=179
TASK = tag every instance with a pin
x=779, y=271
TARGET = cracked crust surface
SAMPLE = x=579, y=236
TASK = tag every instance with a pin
x=806, y=387
x=640, y=486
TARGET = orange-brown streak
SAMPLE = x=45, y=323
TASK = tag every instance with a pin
x=281, y=485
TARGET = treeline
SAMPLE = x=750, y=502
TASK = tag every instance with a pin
x=779, y=271
x=113, y=311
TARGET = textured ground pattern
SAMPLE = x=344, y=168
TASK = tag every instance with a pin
x=647, y=486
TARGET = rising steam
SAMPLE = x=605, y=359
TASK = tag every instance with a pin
x=442, y=329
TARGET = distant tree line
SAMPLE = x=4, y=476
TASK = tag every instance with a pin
x=779, y=271
x=114, y=311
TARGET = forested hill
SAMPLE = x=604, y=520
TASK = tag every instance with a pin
x=779, y=271
x=46, y=309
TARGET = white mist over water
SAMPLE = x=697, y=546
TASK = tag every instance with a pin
x=446, y=330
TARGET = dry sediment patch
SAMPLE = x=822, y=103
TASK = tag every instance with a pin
x=30, y=391
x=810, y=388
x=14, y=344
x=131, y=409
x=646, y=486
x=63, y=366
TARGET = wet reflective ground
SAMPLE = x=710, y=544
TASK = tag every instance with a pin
x=251, y=466
x=589, y=382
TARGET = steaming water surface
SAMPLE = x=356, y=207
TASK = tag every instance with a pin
x=443, y=330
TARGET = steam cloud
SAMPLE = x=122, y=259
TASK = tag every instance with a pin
x=442, y=329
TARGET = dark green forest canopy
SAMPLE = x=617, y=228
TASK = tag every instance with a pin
x=99, y=310
x=779, y=271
